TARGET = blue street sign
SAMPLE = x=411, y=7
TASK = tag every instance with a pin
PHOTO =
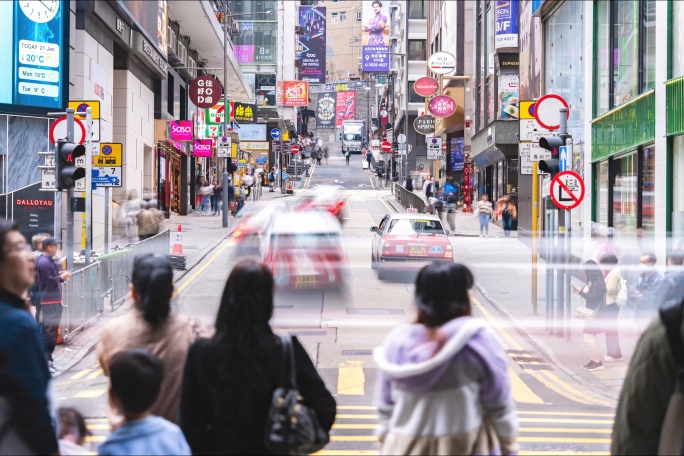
x=275, y=133
x=563, y=158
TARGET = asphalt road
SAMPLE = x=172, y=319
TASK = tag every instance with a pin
x=340, y=328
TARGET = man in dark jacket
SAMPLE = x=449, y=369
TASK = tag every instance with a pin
x=672, y=286
x=50, y=283
x=24, y=377
x=648, y=282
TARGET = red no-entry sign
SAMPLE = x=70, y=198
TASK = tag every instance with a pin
x=567, y=190
x=386, y=146
x=295, y=149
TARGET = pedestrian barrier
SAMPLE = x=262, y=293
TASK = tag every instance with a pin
x=408, y=199
x=88, y=290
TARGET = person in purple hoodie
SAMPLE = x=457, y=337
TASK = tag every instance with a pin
x=443, y=385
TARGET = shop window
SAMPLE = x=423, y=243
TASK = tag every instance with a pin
x=625, y=194
x=416, y=49
x=678, y=187
x=648, y=189
x=413, y=96
x=602, y=194
x=512, y=176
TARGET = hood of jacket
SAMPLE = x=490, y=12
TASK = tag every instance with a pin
x=413, y=359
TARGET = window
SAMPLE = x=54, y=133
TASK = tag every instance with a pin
x=343, y=17
x=625, y=64
x=358, y=16
x=677, y=185
x=416, y=49
x=335, y=18
x=417, y=9
x=625, y=194
x=413, y=96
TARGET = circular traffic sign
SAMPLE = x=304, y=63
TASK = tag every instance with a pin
x=442, y=63
x=386, y=146
x=295, y=149
x=275, y=133
x=401, y=138
x=107, y=149
x=58, y=130
x=567, y=190
x=546, y=111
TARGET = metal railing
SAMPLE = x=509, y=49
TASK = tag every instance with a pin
x=408, y=199
x=89, y=289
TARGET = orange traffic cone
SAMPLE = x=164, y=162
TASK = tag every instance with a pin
x=59, y=335
x=178, y=245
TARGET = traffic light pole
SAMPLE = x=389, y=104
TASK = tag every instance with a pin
x=568, y=248
x=70, y=197
x=89, y=185
x=561, y=255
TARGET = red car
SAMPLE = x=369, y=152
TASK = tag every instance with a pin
x=325, y=198
x=406, y=242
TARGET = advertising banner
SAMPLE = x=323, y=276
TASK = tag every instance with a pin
x=312, y=43
x=151, y=16
x=244, y=53
x=244, y=112
x=346, y=107
x=180, y=130
x=202, y=148
x=375, y=37
x=252, y=132
x=325, y=110
x=506, y=32
x=508, y=97
x=33, y=210
x=33, y=54
x=295, y=93
x=457, y=154
x=214, y=115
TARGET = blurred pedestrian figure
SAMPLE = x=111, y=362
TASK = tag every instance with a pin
x=271, y=180
x=508, y=213
x=446, y=364
x=347, y=155
x=429, y=187
x=440, y=206
x=594, y=296
x=409, y=184
x=34, y=291
x=369, y=157
x=319, y=155
x=671, y=289
x=484, y=211
x=72, y=432
x=307, y=166
x=158, y=216
x=50, y=280
x=451, y=211
x=25, y=421
x=131, y=208
x=610, y=316
x=229, y=379
x=216, y=198
x=206, y=190
x=326, y=154
x=137, y=378
x=153, y=326
x=145, y=222
x=644, y=294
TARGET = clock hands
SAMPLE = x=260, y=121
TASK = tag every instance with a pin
x=46, y=7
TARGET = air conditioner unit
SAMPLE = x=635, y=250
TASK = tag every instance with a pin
x=192, y=64
x=171, y=39
x=182, y=53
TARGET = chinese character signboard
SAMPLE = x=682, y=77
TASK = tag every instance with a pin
x=325, y=110
x=375, y=38
x=295, y=93
x=244, y=112
x=442, y=106
x=346, y=107
x=205, y=92
x=506, y=24
x=312, y=43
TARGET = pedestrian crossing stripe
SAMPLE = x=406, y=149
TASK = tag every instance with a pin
x=521, y=453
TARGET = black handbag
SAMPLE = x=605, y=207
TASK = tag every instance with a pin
x=291, y=426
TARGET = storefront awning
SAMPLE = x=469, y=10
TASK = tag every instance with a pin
x=488, y=157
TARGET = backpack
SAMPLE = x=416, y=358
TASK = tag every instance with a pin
x=672, y=432
x=623, y=295
x=271, y=176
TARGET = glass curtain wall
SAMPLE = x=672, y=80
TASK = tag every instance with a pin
x=678, y=187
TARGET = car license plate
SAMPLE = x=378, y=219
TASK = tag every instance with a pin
x=417, y=250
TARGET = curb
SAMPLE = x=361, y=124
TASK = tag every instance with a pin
x=539, y=344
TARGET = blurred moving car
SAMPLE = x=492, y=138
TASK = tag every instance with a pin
x=251, y=223
x=304, y=250
x=327, y=198
x=406, y=242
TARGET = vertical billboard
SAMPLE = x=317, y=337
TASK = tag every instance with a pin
x=346, y=107
x=457, y=154
x=325, y=110
x=33, y=49
x=151, y=16
x=509, y=93
x=312, y=44
x=506, y=32
x=375, y=38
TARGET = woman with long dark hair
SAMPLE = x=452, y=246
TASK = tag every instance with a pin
x=594, y=296
x=153, y=326
x=229, y=379
x=443, y=381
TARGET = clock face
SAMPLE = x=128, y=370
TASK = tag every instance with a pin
x=40, y=10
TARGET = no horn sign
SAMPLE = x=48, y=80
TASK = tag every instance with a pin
x=567, y=190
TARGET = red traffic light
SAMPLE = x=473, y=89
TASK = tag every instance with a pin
x=551, y=143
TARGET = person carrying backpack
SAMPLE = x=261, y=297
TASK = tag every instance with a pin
x=271, y=180
x=347, y=154
x=651, y=405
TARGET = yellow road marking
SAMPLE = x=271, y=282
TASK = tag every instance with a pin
x=95, y=438
x=391, y=210
x=201, y=270
x=350, y=378
x=94, y=374
x=521, y=392
x=563, y=420
x=507, y=337
x=353, y=438
x=311, y=171
x=572, y=390
x=559, y=453
x=372, y=182
x=356, y=407
x=609, y=415
x=561, y=440
x=90, y=393
x=358, y=417
x=96, y=419
x=96, y=365
x=80, y=374
x=568, y=430
x=93, y=427
x=355, y=426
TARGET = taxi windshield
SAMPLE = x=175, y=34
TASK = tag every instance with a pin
x=424, y=227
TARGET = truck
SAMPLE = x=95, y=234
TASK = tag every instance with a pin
x=352, y=136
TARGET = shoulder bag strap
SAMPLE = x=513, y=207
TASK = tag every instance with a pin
x=671, y=316
x=293, y=367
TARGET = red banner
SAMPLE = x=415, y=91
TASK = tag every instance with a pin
x=346, y=107
x=295, y=93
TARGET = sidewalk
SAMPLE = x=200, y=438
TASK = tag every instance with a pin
x=201, y=235
x=503, y=271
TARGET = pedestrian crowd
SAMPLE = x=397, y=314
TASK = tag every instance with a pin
x=142, y=218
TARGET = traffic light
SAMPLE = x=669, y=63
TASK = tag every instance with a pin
x=66, y=172
x=551, y=143
x=231, y=168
